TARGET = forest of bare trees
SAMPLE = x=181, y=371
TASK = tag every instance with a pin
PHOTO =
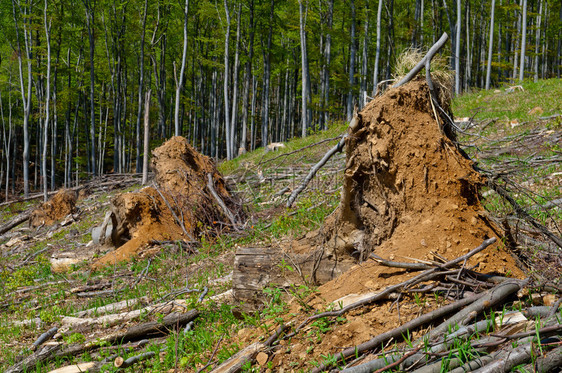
x=75, y=76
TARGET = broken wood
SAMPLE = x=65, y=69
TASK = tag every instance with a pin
x=221, y=203
x=14, y=222
x=123, y=364
x=380, y=339
x=257, y=268
x=335, y=149
x=44, y=338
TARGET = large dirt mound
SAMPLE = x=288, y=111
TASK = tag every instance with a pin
x=59, y=206
x=178, y=207
x=408, y=192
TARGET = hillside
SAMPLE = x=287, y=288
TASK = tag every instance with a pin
x=181, y=287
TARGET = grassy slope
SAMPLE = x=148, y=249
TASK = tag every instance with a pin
x=169, y=269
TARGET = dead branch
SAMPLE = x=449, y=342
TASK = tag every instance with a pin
x=123, y=364
x=299, y=150
x=506, y=361
x=428, y=57
x=491, y=298
x=44, y=338
x=398, y=332
x=424, y=276
x=221, y=203
x=212, y=356
x=522, y=213
x=546, y=363
x=235, y=363
x=335, y=149
x=389, y=263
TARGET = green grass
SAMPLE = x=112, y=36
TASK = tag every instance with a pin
x=260, y=156
x=515, y=105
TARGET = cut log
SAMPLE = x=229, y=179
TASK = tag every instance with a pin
x=257, y=268
x=75, y=368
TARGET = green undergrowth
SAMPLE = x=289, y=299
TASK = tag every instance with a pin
x=503, y=105
x=261, y=157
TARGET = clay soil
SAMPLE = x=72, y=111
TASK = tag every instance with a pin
x=59, y=206
x=409, y=195
x=178, y=207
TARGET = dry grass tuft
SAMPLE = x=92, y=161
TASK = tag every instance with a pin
x=441, y=74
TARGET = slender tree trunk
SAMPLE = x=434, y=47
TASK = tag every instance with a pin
x=304, y=67
x=352, y=52
x=267, y=81
x=458, y=51
x=523, y=41
x=537, y=41
x=490, y=45
x=138, y=162
x=180, y=82
x=253, y=118
x=363, y=99
x=326, y=67
x=248, y=80
x=26, y=96
x=146, y=138
x=89, y=5
x=47, y=107
x=231, y=135
x=226, y=82
x=378, y=49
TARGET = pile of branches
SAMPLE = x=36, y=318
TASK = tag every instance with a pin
x=463, y=340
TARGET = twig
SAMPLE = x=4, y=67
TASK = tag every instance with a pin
x=389, y=263
x=212, y=356
x=299, y=150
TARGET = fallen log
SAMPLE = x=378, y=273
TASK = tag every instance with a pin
x=44, y=354
x=380, y=339
x=14, y=222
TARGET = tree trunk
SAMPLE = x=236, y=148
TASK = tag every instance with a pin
x=352, y=52
x=226, y=82
x=26, y=97
x=378, y=49
x=180, y=83
x=138, y=162
x=458, y=50
x=89, y=23
x=326, y=67
x=231, y=135
x=523, y=40
x=363, y=98
x=146, y=138
x=47, y=106
x=267, y=81
x=304, y=67
x=490, y=46
x=537, y=41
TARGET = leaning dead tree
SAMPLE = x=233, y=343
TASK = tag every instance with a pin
x=424, y=63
